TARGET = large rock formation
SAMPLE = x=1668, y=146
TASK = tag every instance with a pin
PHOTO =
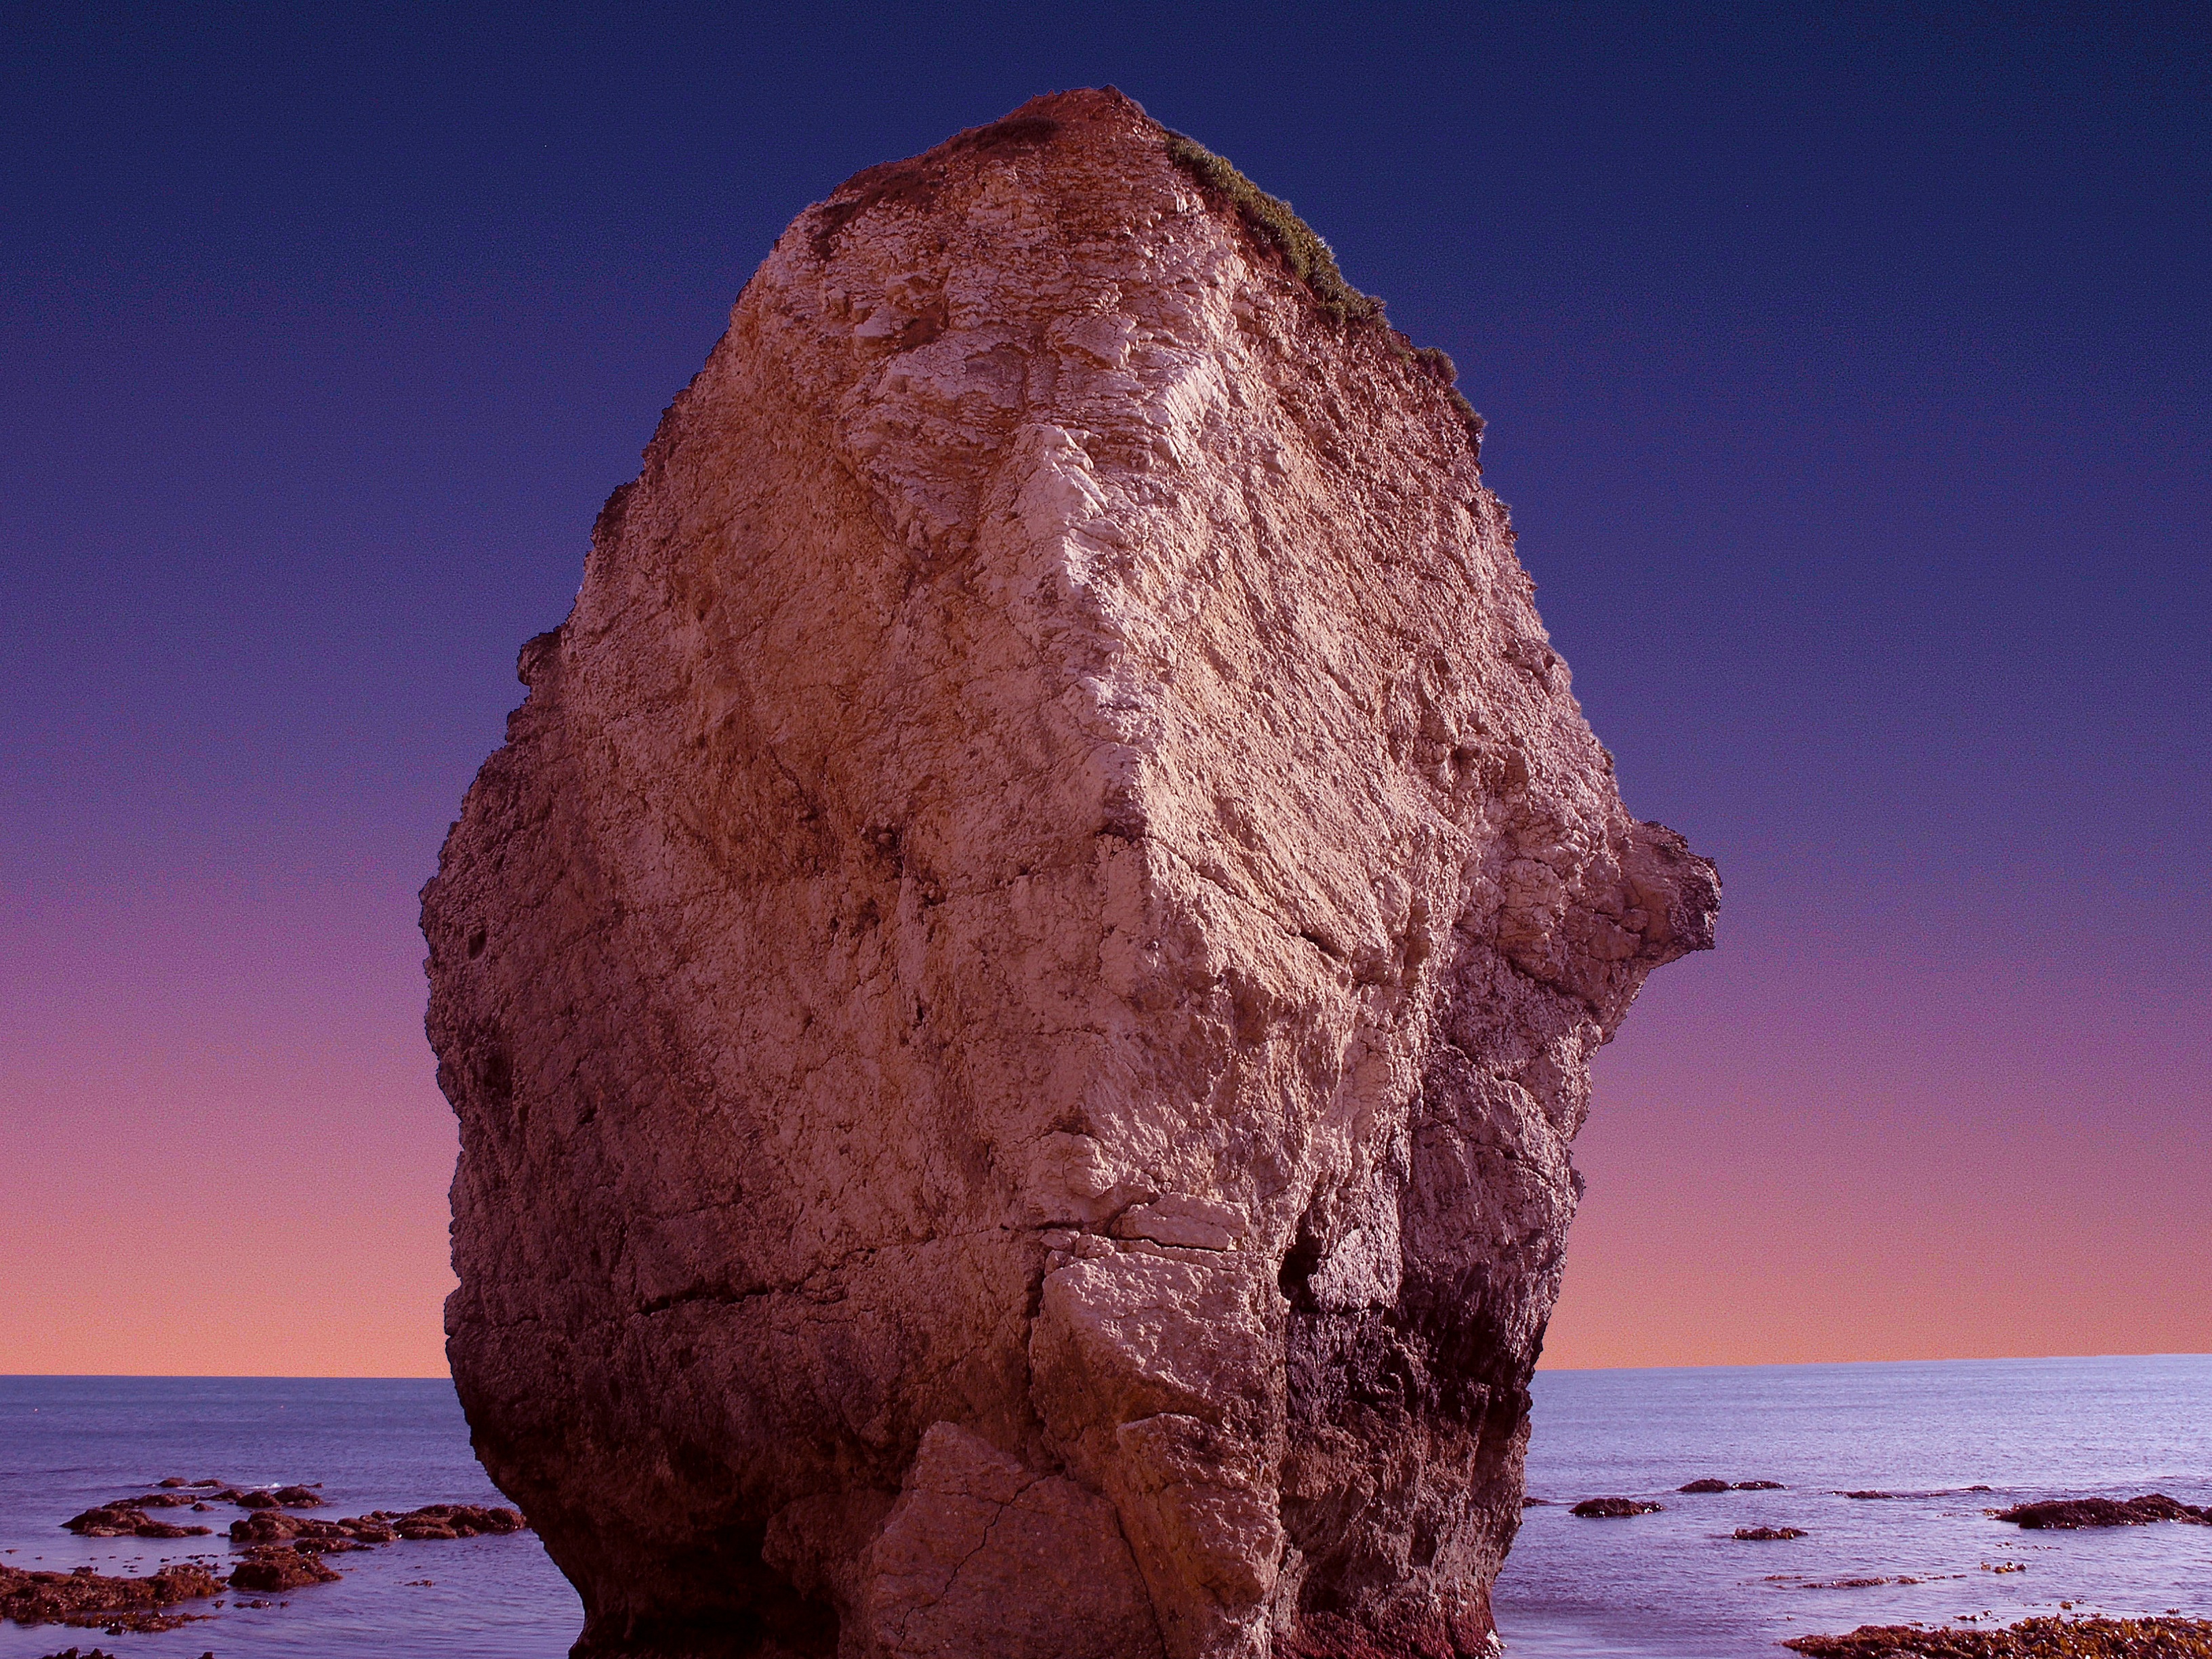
x=1019, y=994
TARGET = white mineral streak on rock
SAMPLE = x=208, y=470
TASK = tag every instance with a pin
x=1018, y=995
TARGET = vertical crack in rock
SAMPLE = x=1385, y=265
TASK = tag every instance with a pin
x=1019, y=993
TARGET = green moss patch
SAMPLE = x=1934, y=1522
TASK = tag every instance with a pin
x=1274, y=220
x=1310, y=259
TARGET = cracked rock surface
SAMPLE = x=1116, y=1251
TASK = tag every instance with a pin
x=1019, y=992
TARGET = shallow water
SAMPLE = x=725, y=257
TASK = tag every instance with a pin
x=69, y=1443
x=1672, y=1585
x=1677, y=1583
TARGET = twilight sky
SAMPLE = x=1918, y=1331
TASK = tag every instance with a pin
x=1848, y=371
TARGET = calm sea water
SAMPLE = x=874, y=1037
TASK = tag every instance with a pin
x=1677, y=1583
x=1674, y=1585
x=67, y=1442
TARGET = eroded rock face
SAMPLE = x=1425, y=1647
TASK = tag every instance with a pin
x=1018, y=995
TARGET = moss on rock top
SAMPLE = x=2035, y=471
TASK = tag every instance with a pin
x=1309, y=257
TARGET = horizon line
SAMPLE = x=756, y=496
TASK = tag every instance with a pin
x=1755, y=1365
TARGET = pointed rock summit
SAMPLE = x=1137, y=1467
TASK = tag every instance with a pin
x=1019, y=992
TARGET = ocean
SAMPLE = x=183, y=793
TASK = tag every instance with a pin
x=1672, y=1585
x=1678, y=1584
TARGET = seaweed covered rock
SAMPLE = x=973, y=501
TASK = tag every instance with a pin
x=272, y=1569
x=2071, y=1513
x=97, y=1600
x=1018, y=995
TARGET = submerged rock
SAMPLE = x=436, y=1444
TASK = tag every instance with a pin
x=1707, y=1485
x=1613, y=1509
x=1018, y=995
x=1767, y=1535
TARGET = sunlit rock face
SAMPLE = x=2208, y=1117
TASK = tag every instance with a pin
x=1019, y=992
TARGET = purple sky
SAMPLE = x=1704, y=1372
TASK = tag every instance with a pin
x=1848, y=371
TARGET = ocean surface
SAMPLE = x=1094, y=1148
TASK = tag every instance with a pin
x=1673, y=1584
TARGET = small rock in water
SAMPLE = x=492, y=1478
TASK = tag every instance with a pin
x=1707, y=1485
x=107, y=1521
x=1611, y=1507
x=1761, y=1534
x=278, y=1567
x=2069, y=1513
x=1759, y=1486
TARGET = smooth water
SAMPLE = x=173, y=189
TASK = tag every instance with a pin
x=1677, y=1583
x=67, y=1442
x=1674, y=1585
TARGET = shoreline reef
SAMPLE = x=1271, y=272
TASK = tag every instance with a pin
x=2048, y=1637
x=277, y=1552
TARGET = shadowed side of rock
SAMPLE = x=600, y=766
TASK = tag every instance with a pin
x=1019, y=993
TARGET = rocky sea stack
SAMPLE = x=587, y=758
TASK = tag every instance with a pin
x=1018, y=995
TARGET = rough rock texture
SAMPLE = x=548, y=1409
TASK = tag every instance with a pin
x=272, y=1569
x=1019, y=992
x=2068, y=1513
x=96, y=1601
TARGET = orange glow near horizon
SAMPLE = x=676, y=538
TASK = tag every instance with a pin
x=227, y=1156
x=1797, y=1162
x=227, y=1152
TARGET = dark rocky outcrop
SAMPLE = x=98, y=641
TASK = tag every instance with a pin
x=1705, y=1485
x=1613, y=1509
x=127, y=1521
x=93, y=1599
x=431, y=1522
x=1763, y=1534
x=2069, y=1513
x=452, y=1520
x=271, y=1569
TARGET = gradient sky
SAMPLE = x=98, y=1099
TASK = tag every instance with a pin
x=1848, y=371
